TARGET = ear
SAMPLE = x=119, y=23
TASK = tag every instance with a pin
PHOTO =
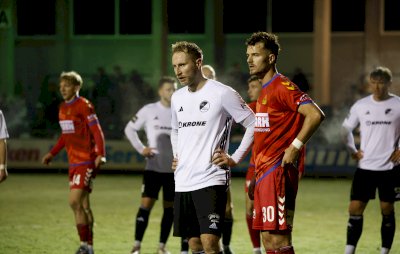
x=199, y=63
x=271, y=58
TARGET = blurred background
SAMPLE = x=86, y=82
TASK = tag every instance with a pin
x=122, y=47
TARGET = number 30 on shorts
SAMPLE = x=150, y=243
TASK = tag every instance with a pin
x=76, y=179
x=268, y=213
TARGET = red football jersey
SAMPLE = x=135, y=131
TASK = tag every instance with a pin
x=81, y=132
x=277, y=121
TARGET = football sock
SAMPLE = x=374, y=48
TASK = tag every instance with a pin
x=227, y=231
x=142, y=220
x=90, y=235
x=388, y=228
x=166, y=224
x=385, y=250
x=184, y=244
x=254, y=234
x=354, y=229
x=283, y=250
x=350, y=249
x=257, y=250
x=83, y=231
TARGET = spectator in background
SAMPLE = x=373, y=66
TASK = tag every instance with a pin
x=155, y=120
x=105, y=98
x=3, y=148
x=378, y=116
x=236, y=78
x=300, y=79
x=83, y=138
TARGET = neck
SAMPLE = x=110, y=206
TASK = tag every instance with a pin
x=165, y=103
x=269, y=75
x=381, y=98
x=196, y=86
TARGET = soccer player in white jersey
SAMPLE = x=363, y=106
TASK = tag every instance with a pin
x=202, y=115
x=3, y=148
x=378, y=117
x=155, y=119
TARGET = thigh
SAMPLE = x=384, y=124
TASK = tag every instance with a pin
x=151, y=185
x=81, y=177
x=210, y=206
x=274, y=200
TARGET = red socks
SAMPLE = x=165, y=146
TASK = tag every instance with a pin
x=254, y=234
x=83, y=231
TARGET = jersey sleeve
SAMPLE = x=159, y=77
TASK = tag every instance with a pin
x=233, y=103
x=94, y=125
x=139, y=119
x=290, y=96
x=352, y=120
x=3, y=127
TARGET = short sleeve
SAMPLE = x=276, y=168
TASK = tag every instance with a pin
x=139, y=119
x=351, y=121
x=234, y=104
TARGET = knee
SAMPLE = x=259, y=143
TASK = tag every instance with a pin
x=75, y=204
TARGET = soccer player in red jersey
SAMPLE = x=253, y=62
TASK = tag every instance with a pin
x=286, y=118
x=254, y=89
x=83, y=138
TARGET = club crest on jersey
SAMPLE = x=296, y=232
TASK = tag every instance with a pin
x=288, y=85
x=264, y=101
x=262, y=123
x=204, y=106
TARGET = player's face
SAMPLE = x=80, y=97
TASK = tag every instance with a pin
x=68, y=90
x=186, y=70
x=258, y=59
x=254, y=90
x=166, y=90
x=379, y=88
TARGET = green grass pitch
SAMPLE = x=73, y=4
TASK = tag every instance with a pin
x=35, y=217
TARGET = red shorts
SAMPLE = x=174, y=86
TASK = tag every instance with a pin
x=81, y=176
x=249, y=175
x=274, y=198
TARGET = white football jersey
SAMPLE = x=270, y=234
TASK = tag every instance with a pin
x=379, y=130
x=155, y=119
x=203, y=122
x=3, y=127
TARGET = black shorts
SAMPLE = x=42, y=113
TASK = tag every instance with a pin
x=396, y=173
x=152, y=183
x=365, y=183
x=200, y=211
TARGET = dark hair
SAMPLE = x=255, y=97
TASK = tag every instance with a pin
x=253, y=78
x=166, y=79
x=382, y=73
x=270, y=41
x=188, y=47
x=72, y=77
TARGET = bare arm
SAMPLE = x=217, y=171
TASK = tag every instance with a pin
x=313, y=116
